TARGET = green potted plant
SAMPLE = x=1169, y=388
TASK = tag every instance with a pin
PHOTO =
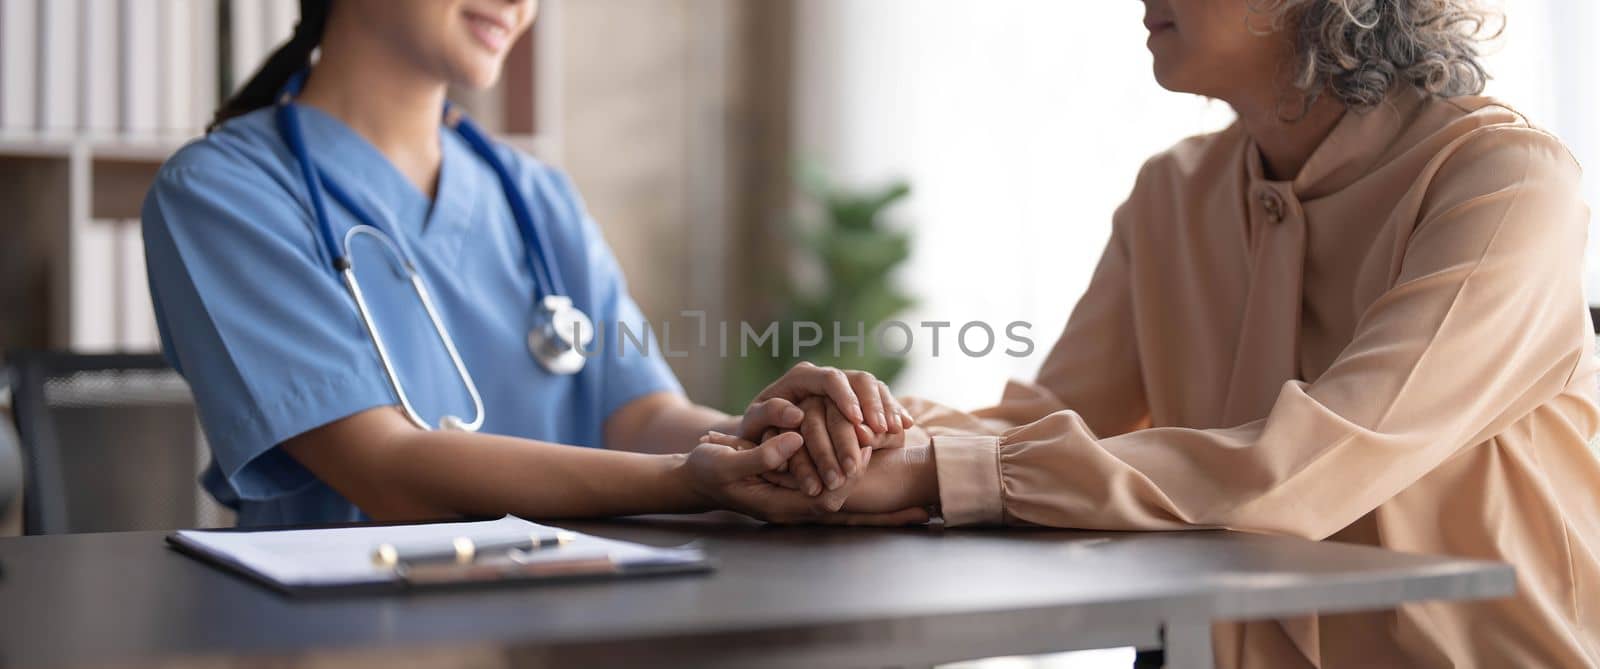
x=847, y=253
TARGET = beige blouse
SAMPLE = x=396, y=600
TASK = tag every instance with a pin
x=1392, y=349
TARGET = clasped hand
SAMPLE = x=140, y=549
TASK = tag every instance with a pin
x=821, y=445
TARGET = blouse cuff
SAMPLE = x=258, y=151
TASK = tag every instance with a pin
x=969, y=479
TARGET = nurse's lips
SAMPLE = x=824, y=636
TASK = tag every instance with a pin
x=491, y=32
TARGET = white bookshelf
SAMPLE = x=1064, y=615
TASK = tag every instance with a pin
x=112, y=147
x=63, y=186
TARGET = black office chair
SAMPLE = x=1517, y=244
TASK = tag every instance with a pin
x=109, y=443
x=10, y=460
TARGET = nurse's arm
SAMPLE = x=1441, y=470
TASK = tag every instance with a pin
x=664, y=422
x=394, y=471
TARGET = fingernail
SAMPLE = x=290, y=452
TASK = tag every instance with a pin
x=793, y=415
x=813, y=488
x=856, y=415
x=834, y=480
x=883, y=422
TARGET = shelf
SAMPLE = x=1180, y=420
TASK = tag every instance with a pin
x=154, y=148
x=157, y=148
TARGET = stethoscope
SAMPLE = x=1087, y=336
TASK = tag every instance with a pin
x=560, y=332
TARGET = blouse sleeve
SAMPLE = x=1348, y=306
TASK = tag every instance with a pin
x=1483, y=322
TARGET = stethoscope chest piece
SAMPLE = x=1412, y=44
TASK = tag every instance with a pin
x=560, y=335
x=561, y=332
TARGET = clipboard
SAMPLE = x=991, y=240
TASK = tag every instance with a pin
x=339, y=561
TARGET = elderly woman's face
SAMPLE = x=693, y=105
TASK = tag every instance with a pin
x=1215, y=48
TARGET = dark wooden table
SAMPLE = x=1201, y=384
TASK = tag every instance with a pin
x=780, y=597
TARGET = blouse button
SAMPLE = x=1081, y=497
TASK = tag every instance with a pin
x=1271, y=203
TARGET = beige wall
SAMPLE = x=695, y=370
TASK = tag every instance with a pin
x=674, y=127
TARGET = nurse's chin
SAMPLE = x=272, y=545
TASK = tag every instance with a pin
x=477, y=71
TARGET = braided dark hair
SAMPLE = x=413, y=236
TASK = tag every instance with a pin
x=290, y=58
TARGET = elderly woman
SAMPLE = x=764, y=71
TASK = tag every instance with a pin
x=1355, y=315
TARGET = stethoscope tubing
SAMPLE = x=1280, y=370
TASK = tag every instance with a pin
x=545, y=274
x=348, y=275
x=549, y=280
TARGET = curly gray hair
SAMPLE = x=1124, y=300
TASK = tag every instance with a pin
x=1357, y=50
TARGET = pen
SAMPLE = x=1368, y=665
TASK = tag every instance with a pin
x=463, y=550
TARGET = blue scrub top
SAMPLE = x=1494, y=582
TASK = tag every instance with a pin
x=254, y=317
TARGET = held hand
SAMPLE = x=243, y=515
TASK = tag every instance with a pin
x=900, y=478
x=726, y=471
x=766, y=417
x=899, y=487
x=833, y=447
x=897, y=475
x=827, y=432
x=860, y=396
x=753, y=495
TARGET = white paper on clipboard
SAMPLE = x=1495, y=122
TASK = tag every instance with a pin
x=335, y=557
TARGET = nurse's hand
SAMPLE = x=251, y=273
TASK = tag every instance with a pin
x=727, y=471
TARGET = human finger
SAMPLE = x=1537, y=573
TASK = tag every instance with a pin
x=865, y=387
x=740, y=463
x=819, y=443
x=833, y=500
x=767, y=414
x=801, y=466
x=806, y=380
x=785, y=480
x=724, y=439
x=846, y=442
x=897, y=415
x=773, y=432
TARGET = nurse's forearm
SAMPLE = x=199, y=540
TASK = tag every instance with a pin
x=480, y=474
x=394, y=471
x=663, y=423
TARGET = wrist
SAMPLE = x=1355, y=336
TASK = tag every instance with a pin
x=924, y=475
x=916, y=437
x=691, y=497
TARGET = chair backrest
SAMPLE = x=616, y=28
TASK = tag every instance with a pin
x=10, y=462
x=109, y=443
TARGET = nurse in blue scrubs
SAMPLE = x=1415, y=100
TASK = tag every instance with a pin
x=248, y=239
